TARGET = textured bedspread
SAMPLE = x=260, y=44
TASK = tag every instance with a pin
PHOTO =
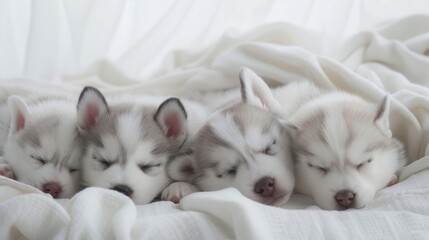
x=392, y=59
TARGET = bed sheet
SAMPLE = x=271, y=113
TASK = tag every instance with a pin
x=391, y=59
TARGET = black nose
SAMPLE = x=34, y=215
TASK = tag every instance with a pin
x=345, y=198
x=265, y=187
x=127, y=191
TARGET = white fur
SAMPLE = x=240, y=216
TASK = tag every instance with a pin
x=247, y=141
x=146, y=186
x=352, y=136
x=365, y=132
x=56, y=141
x=130, y=148
x=259, y=165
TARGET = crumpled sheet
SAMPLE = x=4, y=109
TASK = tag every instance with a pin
x=392, y=59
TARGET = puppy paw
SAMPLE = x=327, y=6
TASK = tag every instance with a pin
x=6, y=171
x=177, y=191
x=393, y=181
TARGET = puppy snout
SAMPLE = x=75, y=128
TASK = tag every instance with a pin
x=345, y=198
x=52, y=188
x=127, y=191
x=265, y=186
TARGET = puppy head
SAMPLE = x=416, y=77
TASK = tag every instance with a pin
x=129, y=144
x=247, y=146
x=345, y=153
x=44, y=147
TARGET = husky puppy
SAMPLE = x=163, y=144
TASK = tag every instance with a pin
x=42, y=146
x=344, y=149
x=131, y=140
x=246, y=145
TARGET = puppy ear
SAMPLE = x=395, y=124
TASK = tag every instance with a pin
x=290, y=128
x=256, y=92
x=381, y=119
x=171, y=117
x=182, y=167
x=19, y=114
x=91, y=106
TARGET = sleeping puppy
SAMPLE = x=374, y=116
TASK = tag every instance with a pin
x=344, y=150
x=245, y=145
x=41, y=144
x=132, y=139
x=343, y=147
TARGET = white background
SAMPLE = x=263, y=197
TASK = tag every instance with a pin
x=46, y=38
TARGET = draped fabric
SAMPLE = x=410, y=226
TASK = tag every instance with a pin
x=41, y=39
x=62, y=46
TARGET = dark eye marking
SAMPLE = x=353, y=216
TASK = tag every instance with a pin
x=359, y=166
x=104, y=163
x=40, y=160
x=230, y=172
x=322, y=169
x=148, y=167
x=269, y=149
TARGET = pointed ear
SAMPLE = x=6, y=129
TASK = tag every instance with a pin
x=19, y=114
x=381, y=119
x=171, y=117
x=91, y=106
x=256, y=92
x=182, y=167
x=290, y=128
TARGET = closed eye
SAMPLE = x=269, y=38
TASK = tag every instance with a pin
x=230, y=172
x=322, y=169
x=40, y=160
x=104, y=163
x=269, y=150
x=359, y=166
x=146, y=168
x=73, y=170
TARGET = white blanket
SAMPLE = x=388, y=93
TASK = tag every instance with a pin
x=392, y=59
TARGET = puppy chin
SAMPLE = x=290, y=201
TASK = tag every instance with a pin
x=66, y=195
x=327, y=205
x=282, y=200
x=333, y=206
x=278, y=199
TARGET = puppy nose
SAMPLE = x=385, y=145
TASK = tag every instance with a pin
x=127, y=191
x=265, y=187
x=345, y=198
x=52, y=188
